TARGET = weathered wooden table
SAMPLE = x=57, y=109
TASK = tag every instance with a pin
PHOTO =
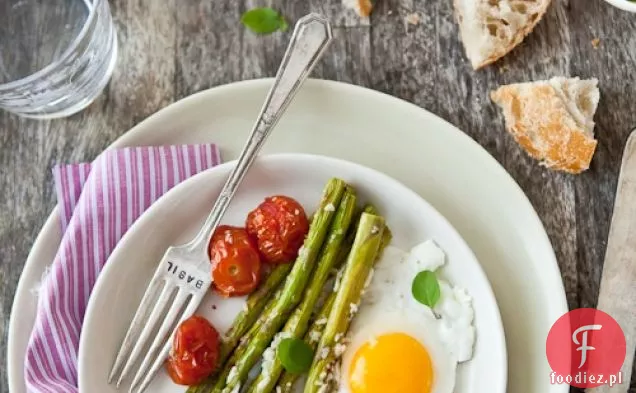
x=170, y=49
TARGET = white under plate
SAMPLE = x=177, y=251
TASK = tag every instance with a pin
x=430, y=156
x=176, y=217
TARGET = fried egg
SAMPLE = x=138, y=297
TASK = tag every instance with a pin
x=396, y=344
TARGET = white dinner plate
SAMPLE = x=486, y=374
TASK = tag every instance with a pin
x=427, y=154
x=177, y=216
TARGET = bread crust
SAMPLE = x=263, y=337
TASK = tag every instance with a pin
x=517, y=38
x=539, y=121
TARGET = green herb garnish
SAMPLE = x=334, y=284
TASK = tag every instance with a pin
x=295, y=355
x=426, y=288
x=264, y=20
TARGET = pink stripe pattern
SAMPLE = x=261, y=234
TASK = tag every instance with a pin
x=97, y=202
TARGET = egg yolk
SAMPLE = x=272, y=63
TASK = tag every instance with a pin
x=394, y=363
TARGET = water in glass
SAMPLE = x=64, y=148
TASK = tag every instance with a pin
x=56, y=56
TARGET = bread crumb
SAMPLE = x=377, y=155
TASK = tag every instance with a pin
x=412, y=19
x=596, y=42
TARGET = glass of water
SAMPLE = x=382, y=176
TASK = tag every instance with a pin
x=56, y=56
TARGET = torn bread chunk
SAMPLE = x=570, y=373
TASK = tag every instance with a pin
x=491, y=28
x=362, y=7
x=552, y=120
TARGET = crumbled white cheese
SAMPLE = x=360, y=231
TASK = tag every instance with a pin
x=314, y=336
x=336, y=283
x=335, y=374
x=233, y=373
x=353, y=308
x=375, y=230
x=338, y=337
x=263, y=383
x=324, y=353
x=270, y=354
x=321, y=321
x=369, y=278
x=302, y=251
x=330, y=207
x=339, y=349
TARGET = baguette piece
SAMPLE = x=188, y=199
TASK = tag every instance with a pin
x=552, y=120
x=491, y=28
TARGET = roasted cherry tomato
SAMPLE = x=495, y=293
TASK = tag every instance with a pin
x=236, y=264
x=195, y=351
x=280, y=225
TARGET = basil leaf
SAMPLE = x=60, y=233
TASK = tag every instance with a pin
x=295, y=355
x=284, y=26
x=264, y=20
x=425, y=288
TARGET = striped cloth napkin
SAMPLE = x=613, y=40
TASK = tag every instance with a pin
x=98, y=202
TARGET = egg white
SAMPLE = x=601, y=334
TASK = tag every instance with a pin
x=387, y=306
x=368, y=326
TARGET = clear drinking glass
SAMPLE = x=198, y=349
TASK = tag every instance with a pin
x=56, y=56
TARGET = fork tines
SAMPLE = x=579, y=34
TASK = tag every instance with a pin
x=165, y=304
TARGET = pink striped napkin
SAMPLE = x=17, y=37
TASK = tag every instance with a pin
x=98, y=202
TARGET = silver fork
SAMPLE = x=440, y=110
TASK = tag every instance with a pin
x=183, y=275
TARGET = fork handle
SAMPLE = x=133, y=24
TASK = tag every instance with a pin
x=312, y=35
